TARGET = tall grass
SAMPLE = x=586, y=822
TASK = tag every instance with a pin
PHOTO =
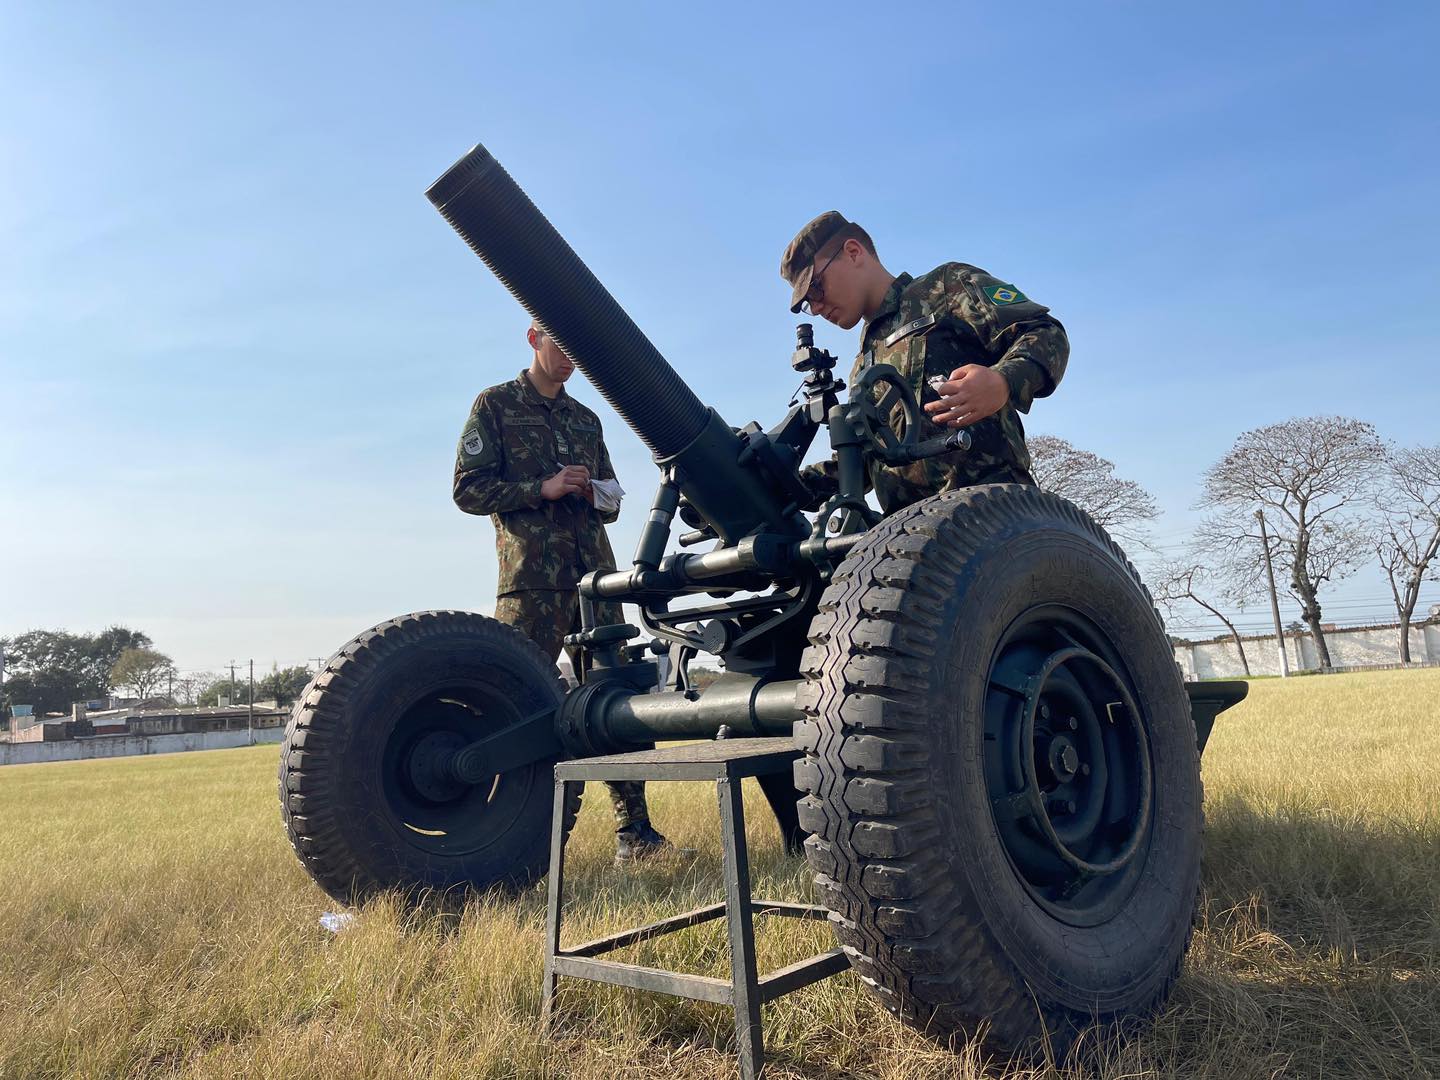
x=153, y=922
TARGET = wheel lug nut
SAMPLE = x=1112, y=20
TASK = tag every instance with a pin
x=1084, y=770
x=1045, y=712
x=1074, y=724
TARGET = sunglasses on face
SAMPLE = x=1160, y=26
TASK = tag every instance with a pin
x=817, y=285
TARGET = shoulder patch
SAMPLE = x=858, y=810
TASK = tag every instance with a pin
x=1004, y=294
x=471, y=442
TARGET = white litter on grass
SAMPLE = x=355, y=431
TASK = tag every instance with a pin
x=335, y=921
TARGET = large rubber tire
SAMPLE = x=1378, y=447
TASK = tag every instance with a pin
x=367, y=808
x=943, y=911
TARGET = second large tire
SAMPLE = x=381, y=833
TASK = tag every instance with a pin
x=1000, y=773
x=365, y=791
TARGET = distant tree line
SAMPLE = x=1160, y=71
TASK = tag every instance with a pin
x=51, y=670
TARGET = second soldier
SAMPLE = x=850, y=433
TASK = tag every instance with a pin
x=527, y=457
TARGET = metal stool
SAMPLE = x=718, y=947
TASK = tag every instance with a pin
x=726, y=762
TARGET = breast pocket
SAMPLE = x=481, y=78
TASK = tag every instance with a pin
x=529, y=448
x=585, y=445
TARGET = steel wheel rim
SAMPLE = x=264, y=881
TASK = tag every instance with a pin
x=430, y=808
x=1068, y=765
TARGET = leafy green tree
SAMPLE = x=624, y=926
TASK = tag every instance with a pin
x=238, y=693
x=103, y=651
x=52, y=669
x=283, y=685
x=144, y=671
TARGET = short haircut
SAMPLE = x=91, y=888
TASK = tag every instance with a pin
x=850, y=231
x=864, y=237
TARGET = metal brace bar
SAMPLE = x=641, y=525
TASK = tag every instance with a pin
x=694, y=987
x=642, y=933
x=786, y=979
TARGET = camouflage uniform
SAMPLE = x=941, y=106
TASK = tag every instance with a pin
x=956, y=315
x=516, y=439
x=953, y=316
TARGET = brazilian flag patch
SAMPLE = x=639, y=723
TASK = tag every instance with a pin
x=1004, y=294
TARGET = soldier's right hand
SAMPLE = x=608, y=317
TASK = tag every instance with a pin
x=571, y=480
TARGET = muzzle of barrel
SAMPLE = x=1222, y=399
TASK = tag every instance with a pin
x=516, y=241
x=500, y=223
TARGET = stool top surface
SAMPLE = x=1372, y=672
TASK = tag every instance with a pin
x=710, y=760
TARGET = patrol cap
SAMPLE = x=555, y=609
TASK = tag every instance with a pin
x=797, y=265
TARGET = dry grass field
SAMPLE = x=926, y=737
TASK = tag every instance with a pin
x=153, y=922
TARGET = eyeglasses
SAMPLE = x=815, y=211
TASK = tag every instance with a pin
x=817, y=286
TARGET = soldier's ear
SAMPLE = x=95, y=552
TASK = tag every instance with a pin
x=533, y=337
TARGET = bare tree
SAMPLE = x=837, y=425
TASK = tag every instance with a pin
x=1180, y=580
x=1089, y=481
x=1304, y=473
x=1408, y=531
x=189, y=684
x=142, y=670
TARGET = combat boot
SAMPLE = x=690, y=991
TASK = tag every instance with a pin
x=639, y=841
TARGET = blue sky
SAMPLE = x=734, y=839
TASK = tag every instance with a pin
x=237, y=345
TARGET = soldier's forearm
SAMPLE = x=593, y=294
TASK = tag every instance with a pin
x=1034, y=363
x=480, y=495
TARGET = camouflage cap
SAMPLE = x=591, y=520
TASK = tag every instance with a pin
x=798, y=263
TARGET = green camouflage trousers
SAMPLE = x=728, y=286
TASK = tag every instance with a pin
x=545, y=616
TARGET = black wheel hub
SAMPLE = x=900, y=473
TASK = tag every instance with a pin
x=437, y=811
x=428, y=766
x=1067, y=765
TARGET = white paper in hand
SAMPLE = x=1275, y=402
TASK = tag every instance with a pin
x=607, y=495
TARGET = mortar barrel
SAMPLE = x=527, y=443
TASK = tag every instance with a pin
x=516, y=241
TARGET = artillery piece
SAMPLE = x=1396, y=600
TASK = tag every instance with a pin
x=1000, y=774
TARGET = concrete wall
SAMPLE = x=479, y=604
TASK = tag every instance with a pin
x=1377, y=646
x=128, y=745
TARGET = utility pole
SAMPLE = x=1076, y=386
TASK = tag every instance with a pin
x=319, y=663
x=250, y=716
x=1274, y=600
x=232, y=694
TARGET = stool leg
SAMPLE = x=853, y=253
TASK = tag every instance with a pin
x=743, y=975
x=552, y=906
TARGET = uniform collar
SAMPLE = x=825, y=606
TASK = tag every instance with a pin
x=891, y=304
x=534, y=397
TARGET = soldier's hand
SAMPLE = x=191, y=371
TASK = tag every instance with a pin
x=571, y=480
x=972, y=393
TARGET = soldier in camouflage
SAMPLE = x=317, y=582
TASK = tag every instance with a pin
x=993, y=349
x=527, y=455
